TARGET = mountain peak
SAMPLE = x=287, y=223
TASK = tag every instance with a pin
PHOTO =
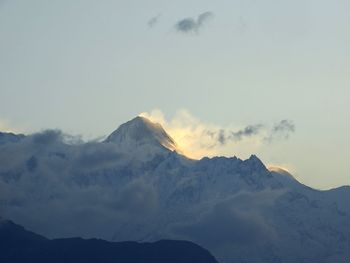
x=140, y=131
x=255, y=162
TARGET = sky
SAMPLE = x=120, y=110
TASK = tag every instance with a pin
x=86, y=67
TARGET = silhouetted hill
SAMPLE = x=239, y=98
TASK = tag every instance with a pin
x=19, y=245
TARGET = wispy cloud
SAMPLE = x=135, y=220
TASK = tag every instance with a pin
x=197, y=138
x=281, y=130
x=248, y=131
x=153, y=21
x=193, y=25
x=238, y=220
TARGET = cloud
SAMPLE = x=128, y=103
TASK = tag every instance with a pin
x=59, y=186
x=193, y=25
x=5, y=126
x=137, y=196
x=248, y=131
x=62, y=190
x=153, y=21
x=47, y=137
x=284, y=126
x=237, y=221
x=197, y=139
x=187, y=25
x=224, y=136
x=281, y=130
x=202, y=18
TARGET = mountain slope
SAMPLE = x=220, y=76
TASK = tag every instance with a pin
x=131, y=187
x=9, y=137
x=142, y=137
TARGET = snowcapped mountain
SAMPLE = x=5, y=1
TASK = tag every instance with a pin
x=135, y=186
x=142, y=138
x=8, y=137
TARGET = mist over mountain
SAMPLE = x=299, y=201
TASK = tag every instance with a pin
x=137, y=186
x=6, y=137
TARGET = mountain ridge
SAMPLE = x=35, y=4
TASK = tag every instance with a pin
x=19, y=245
x=227, y=205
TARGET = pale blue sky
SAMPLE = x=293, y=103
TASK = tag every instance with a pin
x=87, y=66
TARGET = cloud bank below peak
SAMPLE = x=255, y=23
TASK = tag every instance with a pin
x=198, y=139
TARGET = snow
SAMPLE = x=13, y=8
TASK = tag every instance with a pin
x=142, y=139
x=6, y=137
x=135, y=186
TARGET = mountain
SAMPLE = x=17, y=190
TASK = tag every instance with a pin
x=141, y=137
x=340, y=196
x=135, y=186
x=20, y=245
x=9, y=137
